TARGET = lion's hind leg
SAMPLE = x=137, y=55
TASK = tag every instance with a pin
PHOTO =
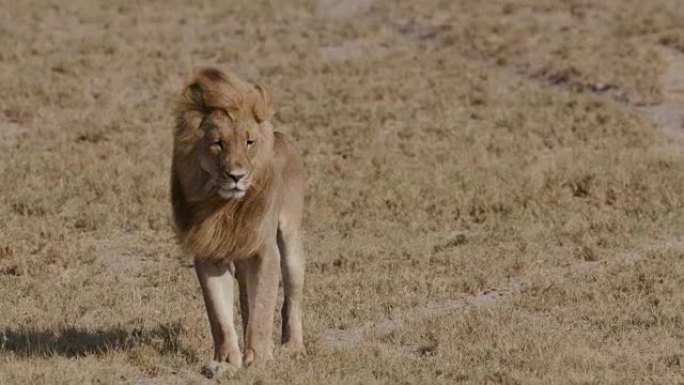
x=292, y=268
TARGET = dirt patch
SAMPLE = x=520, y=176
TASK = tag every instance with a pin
x=14, y=126
x=352, y=50
x=348, y=338
x=127, y=254
x=670, y=113
x=344, y=9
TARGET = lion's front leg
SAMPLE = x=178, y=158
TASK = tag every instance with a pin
x=216, y=282
x=241, y=274
x=262, y=278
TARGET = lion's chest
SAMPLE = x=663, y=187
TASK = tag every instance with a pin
x=231, y=233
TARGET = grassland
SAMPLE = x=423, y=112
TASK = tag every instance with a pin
x=489, y=200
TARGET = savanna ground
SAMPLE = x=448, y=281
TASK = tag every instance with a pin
x=496, y=189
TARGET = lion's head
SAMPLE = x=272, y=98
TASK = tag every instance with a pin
x=223, y=137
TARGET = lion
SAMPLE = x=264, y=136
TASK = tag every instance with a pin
x=237, y=192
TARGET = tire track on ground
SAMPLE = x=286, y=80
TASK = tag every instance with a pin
x=668, y=115
x=487, y=298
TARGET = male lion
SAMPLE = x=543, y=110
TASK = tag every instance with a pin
x=237, y=190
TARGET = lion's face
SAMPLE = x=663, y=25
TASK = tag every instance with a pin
x=223, y=141
x=228, y=153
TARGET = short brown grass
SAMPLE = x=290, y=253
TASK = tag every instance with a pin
x=486, y=145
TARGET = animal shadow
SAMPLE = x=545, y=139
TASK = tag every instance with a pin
x=78, y=342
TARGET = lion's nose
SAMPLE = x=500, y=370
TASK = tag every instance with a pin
x=236, y=175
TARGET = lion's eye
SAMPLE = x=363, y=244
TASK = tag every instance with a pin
x=249, y=142
x=218, y=144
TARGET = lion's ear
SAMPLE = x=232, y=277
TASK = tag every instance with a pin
x=191, y=107
x=193, y=97
x=263, y=105
x=197, y=95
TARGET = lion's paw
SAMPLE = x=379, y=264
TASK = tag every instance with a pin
x=215, y=369
x=248, y=357
x=294, y=350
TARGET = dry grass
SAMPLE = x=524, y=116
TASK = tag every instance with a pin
x=490, y=145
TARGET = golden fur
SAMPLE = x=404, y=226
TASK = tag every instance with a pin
x=209, y=227
x=237, y=190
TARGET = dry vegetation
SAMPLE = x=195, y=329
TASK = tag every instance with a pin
x=452, y=146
